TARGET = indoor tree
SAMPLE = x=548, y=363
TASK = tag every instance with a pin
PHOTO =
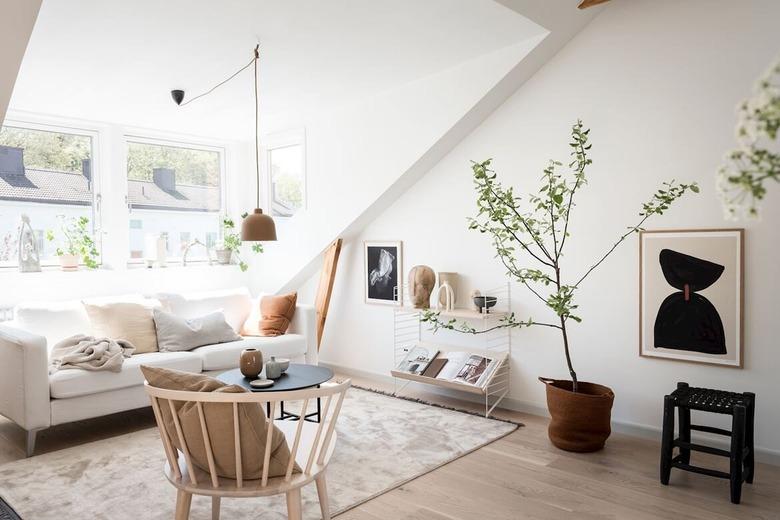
x=536, y=230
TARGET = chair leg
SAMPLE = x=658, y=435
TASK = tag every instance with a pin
x=322, y=492
x=215, y=505
x=294, y=505
x=183, y=503
x=667, y=438
x=750, y=461
x=737, y=451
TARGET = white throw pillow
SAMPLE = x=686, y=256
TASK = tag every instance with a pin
x=234, y=303
x=131, y=321
x=175, y=333
x=53, y=320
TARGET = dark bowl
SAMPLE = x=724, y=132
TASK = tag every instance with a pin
x=485, y=302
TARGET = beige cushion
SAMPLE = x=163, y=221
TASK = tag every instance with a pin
x=65, y=384
x=130, y=321
x=219, y=422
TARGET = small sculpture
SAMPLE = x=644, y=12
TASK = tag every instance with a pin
x=451, y=279
x=422, y=279
x=29, y=256
x=444, y=297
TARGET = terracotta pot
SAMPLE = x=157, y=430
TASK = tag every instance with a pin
x=69, y=262
x=251, y=363
x=579, y=421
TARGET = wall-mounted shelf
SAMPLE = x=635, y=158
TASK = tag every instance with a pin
x=491, y=342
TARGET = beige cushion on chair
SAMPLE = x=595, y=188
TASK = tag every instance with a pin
x=131, y=321
x=219, y=423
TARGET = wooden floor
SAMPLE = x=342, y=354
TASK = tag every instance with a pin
x=521, y=476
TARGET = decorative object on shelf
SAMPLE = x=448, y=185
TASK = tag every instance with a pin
x=256, y=227
x=538, y=228
x=76, y=245
x=741, y=408
x=156, y=249
x=742, y=180
x=231, y=244
x=484, y=303
x=678, y=321
x=29, y=256
x=382, y=269
x=474, y=294
x=273, y=368
x=251, y=363
x=422, y=279
x=189, y=246
x=450, y=279
x=444, y=297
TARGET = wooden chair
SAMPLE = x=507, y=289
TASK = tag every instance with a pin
x=311, y=446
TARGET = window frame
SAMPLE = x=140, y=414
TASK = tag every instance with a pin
x=277, y=141
x=175, y=142
x=85, y=130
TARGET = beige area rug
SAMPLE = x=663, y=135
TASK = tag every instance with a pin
x=382, y=443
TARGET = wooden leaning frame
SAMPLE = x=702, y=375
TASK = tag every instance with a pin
x=311, y=446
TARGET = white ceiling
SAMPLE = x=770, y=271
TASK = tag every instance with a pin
x=117, y=60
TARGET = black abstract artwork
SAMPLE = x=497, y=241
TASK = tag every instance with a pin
x=382, y=272
x=687, y=320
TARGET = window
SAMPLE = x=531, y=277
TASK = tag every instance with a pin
x=175, y=191
x=287, y=179
x=47, y=175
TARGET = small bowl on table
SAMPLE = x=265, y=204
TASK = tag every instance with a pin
x=285, y=364
x=485, y=303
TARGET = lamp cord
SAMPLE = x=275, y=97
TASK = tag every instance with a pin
x=215, y=87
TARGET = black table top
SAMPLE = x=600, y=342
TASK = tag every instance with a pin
x=296, y=377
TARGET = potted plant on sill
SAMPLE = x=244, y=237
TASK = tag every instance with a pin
x=537, y=229
x=231, y=244
x=76, y=246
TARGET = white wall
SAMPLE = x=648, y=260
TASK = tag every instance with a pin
x=658, y=83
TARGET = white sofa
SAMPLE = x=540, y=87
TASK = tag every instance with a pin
x=34, y=400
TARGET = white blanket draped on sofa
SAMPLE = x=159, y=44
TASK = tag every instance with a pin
x=89, y=353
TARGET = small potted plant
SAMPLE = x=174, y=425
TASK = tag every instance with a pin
x=230, y=246
x=76, y=244
x=537, y=229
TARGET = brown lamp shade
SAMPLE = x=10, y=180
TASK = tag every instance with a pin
x=258, y=227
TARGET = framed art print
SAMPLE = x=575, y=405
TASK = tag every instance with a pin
x=382, y=272
x=691, y=295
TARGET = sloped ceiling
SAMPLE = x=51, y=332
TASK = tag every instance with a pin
x=16, y=24
x=116, y=61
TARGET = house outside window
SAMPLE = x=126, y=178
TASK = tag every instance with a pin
x=176, y=190
x=47, y=174
x=286, y=168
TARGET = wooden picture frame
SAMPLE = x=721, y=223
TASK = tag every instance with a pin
x=691, y=295
x=383, y=272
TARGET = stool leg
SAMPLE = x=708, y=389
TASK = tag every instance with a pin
x=667, y=438
x=749, y=433
x=737, y=446
x=685, y=432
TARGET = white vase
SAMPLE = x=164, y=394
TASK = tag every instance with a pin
x=450, y=279
x=445, y=297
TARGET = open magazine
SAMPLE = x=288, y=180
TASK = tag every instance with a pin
x=466, y=368
x=417, y=359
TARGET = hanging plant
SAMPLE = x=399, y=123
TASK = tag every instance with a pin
x=743, y=179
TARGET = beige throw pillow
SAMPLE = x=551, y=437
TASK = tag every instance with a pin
x=219, y=422
x=130, y=321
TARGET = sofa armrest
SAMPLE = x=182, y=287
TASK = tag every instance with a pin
x=24, y=378
x=304, y=323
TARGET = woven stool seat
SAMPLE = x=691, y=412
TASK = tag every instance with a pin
x=708, y=400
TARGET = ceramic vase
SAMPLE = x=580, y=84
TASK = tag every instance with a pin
x=273, y=369
x=251, y=362
x=451, y=279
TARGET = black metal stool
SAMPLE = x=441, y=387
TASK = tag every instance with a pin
x=742, y=409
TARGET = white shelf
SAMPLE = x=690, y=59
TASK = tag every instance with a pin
x=463, y=314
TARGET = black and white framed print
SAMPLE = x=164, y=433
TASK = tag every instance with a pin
x=383, y=270
x=691, y=295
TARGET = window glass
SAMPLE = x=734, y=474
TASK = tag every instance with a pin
x=173, y=192
x=287, y=180
x=47, y=176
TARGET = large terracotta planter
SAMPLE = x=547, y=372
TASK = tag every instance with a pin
x=579, y=421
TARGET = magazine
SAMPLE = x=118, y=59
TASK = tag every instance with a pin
x=469, y=369
x=417, y=359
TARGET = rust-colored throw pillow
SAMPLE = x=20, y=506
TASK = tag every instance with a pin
x=277, y=312
x=219, y=421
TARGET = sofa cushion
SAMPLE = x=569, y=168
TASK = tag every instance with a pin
x=73, y=383
x=175, y=333
x=53, y=320
x=234, y=303
x=131, y=321
x=226, y=355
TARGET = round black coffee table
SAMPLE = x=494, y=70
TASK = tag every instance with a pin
x=297, y=377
